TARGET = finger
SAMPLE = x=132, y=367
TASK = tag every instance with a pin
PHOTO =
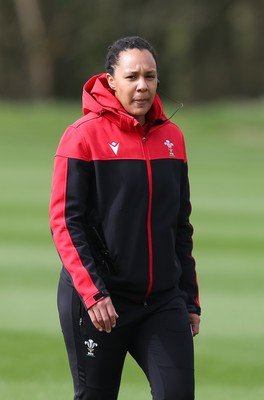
x=102, y=318
x=195, y=323
x=112, y=315
x=111, y=312
x=94, y=320
x=106, y=321
x=195, y=329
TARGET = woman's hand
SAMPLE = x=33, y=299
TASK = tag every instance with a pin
x=103, y=315
x=195, y=323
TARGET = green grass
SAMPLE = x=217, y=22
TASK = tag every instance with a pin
x=225, y=143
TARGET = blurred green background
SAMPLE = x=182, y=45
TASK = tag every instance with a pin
x=211, y=56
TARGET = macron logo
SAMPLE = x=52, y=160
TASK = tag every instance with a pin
x=114, y=146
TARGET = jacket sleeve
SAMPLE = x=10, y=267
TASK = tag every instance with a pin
x=70, y=197
x=184, y=247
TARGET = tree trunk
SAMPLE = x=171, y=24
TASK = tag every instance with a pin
x=37, y=47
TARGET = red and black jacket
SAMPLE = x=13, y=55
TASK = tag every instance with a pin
x=120, y=203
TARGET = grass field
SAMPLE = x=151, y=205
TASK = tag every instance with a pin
x=225, y=143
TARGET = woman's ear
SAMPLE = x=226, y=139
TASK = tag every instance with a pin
x=110, y=81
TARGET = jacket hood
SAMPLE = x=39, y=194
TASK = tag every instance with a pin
x=99, y=98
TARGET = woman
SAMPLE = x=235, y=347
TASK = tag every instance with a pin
x=119, y=216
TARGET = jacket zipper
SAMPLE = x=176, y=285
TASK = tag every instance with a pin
x=149, y=173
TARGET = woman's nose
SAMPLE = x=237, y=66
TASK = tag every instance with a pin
x=142, y=84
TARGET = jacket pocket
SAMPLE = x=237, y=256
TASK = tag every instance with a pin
x=100, y=252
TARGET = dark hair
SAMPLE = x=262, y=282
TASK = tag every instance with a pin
x=130, y=42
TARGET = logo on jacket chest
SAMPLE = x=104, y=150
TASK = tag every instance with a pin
x=170, y=145
x=114, y=146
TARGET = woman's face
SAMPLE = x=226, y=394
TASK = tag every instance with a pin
x=135, y=82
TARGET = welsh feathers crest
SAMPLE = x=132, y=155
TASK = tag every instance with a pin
x=170, y=145
x=91, y=345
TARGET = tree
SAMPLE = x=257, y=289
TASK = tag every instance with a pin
x=36, y=40
x=207, y=49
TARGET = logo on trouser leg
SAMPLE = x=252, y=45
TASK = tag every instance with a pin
x=91, y=345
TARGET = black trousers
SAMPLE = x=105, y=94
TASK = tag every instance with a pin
x=158, y=336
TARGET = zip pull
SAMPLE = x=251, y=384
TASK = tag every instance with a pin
x=82, y=311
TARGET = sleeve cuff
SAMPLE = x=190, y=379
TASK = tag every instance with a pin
x=96, y=297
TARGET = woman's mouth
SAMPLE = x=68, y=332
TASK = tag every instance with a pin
x=141, y=101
